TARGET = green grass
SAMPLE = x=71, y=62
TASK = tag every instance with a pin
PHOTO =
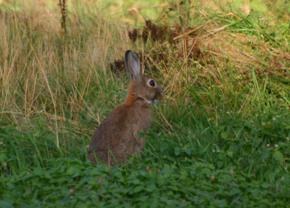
x=220, y=137
x=220, y=161
x=230, y=161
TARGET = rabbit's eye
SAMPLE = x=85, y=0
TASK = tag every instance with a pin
x=151, y=83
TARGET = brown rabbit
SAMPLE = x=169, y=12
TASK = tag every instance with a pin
x=115, y=140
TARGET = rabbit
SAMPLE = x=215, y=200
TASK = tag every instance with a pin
x=115, y=140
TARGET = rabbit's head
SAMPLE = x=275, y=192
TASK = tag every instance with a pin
x=140, y=87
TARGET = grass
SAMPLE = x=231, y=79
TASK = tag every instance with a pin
x=220, y=137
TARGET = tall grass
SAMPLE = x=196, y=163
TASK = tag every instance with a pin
x=46, y=73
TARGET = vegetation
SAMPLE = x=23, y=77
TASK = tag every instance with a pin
x=220, y=136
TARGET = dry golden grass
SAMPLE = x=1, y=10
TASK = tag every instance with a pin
x=43, y=71
x=210, y=52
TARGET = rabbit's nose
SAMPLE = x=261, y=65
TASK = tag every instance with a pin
x=160, y=91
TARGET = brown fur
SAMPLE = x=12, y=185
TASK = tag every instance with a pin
x=115, y=140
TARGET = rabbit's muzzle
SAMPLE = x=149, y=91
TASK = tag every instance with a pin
x=158, y=95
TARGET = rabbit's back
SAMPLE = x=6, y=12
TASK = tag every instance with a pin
x=116, y=138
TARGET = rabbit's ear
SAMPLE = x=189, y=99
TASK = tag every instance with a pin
x=132, y=64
